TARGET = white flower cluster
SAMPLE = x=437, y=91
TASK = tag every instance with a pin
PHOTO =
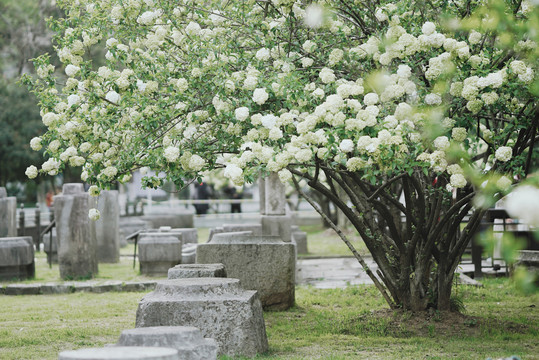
x=504, y=153
x=94, y=214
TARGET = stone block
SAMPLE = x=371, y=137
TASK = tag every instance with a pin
x=300, y=238
x=189, y=235
x=132, y=224
x=8, y=214
x=275, y=198
x=121, y=353
x=196, y=271
x=77, y=248
x=262, y=263
x=17, y=258
x=23, y=289
x=254, y=228
x=213, y=231
x=158, y=252
x=189, y=253
x=187, y=340
x=179, y=220
x=219, y=307
x=274, y=225
x=107, y=231
x=138, y=286
x=108, y=286
x=52, y=288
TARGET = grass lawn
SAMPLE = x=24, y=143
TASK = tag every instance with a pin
x=325, y=324
x=353, y=323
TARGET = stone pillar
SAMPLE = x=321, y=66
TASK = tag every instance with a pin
x=107, y=227
x=262, y=195
x=8, y=214
x=275, y=222
x=77, y=248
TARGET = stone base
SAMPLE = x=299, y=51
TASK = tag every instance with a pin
x=217, y=306
x=189, y=235
x=158, y=253
x=187, y=340
x=262, y=263
x=184, y=220
x=277, y=225
x=185, y=271
x=300, y=238
x=121, y=353
x=17, y=258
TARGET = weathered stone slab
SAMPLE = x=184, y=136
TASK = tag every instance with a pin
x=189, y=253
x=180, y=220
x=219, y=307
x=108, y=286
x=274, y=225
x=8, y=214
x=213, y=231
x=138, y=286
x=23, y=289
x=275, y=198
x=300, y=238
x=262, y=263
x=158, y=252
x=17, y=258
x=254, y=228
x=121, y=353
x=196, y=271
x=107, y=231
x=51, y=288
x=189, y=235
x=131, y=224
x=187, y=340
x=77, y=248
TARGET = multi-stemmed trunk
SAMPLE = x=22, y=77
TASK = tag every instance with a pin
x=411, y=227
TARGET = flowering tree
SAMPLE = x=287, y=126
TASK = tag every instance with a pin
x=398, y=104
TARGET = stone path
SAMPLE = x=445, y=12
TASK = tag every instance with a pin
x=322, y=273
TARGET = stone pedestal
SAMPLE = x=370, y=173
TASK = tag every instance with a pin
x=132, y=224
x=262, y=263
x=8, y=214
x=277, y=225
x=17, y=258
x=187, y=340
x=254, y=228
x=185, y=271
x=77, y=248
x=219, y=307
x=121, y=353
x=300, y=238
x=275, y=199
x=158, y=252
x=188, y=235
x=180, y=220
x=107, y=227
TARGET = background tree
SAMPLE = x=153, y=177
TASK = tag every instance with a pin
x=398, y=104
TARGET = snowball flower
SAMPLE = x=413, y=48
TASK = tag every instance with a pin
x=522, y=204
x=71, y=70
x=441, y=143
x=110, y=171
x=309, y=46
x=171, y=153
x=196, y=163
x=263, y=54
x=241, y=113
x=94, y=214
x=260, y=96
x=73, y=100
x=458, y=134
x=314, y=16
x=31, y=172
x=370, y=99
x=35, y=144
x=457, y=181
x=428, y=28
x=285, y=175
x=327, y=75
x=233, y=172
x=113, y=97
x=49, y=118
x=433, y=99
x=192, y=28
x=504, y=153
x=93, y=190
x=347, y=146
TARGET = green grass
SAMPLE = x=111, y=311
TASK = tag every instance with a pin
x=325, y=242
x=353, y=323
